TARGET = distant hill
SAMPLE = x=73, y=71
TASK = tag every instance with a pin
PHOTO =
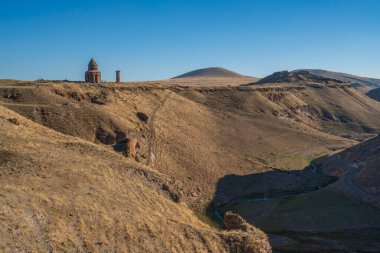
x=374, y=94
x=211, y=72
x=296, y=77
x=362, y=83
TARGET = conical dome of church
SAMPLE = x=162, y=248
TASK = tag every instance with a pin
x=93, y=75
x=92, y=65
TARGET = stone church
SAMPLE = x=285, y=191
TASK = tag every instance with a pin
x=93, y=74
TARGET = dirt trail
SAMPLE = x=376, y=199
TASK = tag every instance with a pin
x=24, y=105
x=152, y=130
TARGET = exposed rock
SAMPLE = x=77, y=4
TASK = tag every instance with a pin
x=235, y=221
x=255, y=242
x=102, y=98
x=110, y=139
x=174, y=196
x=275, y=97
x=251, y=243
x=130, y=148
x=12, y=94
x=121, y=137
x=104, y=137
x=14, y=121
x=77, y=96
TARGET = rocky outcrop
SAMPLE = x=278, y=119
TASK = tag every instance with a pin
x=105, y=137
x=12, y=94
x=130, y=148
x=275, y=96
x=101, y=98
x=132, y=144
x=74, y=95
x=255, y=241
x=235, y=221
x=14, y=121
x=297, y=77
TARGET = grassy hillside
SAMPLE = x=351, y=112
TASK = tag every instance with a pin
x=197, y=135
x=364, y=84
x=211, y=72
x=73, y=156
x=59, y=193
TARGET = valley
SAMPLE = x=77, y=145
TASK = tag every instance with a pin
x=204, y=145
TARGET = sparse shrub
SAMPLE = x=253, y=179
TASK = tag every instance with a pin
x=142, y=116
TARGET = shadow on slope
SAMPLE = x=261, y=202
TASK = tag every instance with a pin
x=374, y=94
x=299, y=210
x=268, y=185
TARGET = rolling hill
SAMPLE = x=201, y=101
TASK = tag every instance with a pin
x=278, y=123
x=60, y=193
x=300, y=77
x=211, y=72
x=361, y=83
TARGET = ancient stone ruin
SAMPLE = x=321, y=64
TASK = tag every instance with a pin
x=93, y=74
x=118, y=76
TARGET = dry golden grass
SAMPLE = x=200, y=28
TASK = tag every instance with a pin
x=63, y=194
x=198, y=82
x=197, y=135
x=62, y=189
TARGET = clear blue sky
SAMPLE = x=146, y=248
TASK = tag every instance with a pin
x=147, y=40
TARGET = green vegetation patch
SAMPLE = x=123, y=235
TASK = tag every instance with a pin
x=293, y=162
x=316, y=211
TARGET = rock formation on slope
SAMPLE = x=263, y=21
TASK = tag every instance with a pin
x=296, y=77
x=359, y=82
x=255, y=244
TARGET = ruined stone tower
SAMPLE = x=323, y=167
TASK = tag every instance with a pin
x=118, y=76
x=93, y=75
